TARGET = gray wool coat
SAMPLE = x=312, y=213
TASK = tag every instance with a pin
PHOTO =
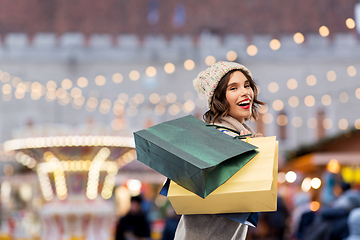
x=209, y=226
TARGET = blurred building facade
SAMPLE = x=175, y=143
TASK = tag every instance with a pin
x=131, y=65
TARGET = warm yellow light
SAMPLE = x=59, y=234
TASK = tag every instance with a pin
x=189, y=64
x=169, y=68
x=61, y=93
x=6, y=88
x=231, y=56
x=326, y=100
x=293, y=101
x=312, y=123
x=139, y=98
x=351, y=70
x=315, y=183
x=311, y=80
x=82, y=82
x=117, y=78
x=5, y=77
x=252, y=50
x=92, y=102
x=331, y=76
x=292, y=84
x=100, y=80
x=350, y=23
x=333, y=166
x=357, y=124
x=76, y=92
x=267, y=118
x=263, y=109
x=159, y=109
x=210, y=60
x=281, y=177
x=296, y=122
x=290, y=176
x=327, y=123
x=299, y=38
x=343, y=124
x=278, y=105
x=66, y=83
x=309, y=101
x=306, y=184
x=116, y=124
x=282, y=120
x=273, y=87
x=171, y=97
x=174, y=110
x=16, y=81
x=275, y=44
x=123, y=97
x=314, y=206
x=134, y=75
x=151, y=71
x=8, y=169
x=154, y=98
x=51, y=85
x=324, y=31
x=189, y=106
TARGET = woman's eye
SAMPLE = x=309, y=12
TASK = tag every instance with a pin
x=247, y=86
x=233, y=88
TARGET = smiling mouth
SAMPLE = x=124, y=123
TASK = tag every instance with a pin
x=245, y=104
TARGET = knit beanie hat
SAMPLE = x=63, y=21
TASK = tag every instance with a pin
x=207, y=81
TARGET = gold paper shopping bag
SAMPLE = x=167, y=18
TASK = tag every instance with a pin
x=252, y=189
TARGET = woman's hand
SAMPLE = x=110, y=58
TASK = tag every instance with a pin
x=258, y=135
x=246, y=132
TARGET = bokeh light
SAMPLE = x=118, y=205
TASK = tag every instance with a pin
x=311, y=80
x=273, y=87
x=252, y=50
x=293, y=101
x=189, y=64
x=275, y=44
x=312, y=123
x=292, y=84
x=296, y=122
x=299, y=38
x=100, y=80
x=151, y=71
x=309, y=101
x=290, y=176
x=331, y=76
x=278, y=105
x=351, y=70
x=210, y=60
x=350, y=23
x=117, y=77
x=169, y=68
x=324, y=31
x=231, y=56
x=134, y=75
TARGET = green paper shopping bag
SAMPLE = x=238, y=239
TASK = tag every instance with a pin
x=192, y=154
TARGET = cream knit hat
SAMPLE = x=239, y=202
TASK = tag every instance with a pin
x=207, y=81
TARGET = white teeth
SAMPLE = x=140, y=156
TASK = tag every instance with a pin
x=244, y=102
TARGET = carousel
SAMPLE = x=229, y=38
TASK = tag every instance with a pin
x=76, y=174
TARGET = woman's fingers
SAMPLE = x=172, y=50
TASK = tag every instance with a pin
x=258, y=135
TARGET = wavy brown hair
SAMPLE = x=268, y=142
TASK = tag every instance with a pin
x=220, y=106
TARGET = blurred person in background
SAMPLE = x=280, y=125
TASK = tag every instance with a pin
x=354, y=224
x=331, y=222
x=171, y=223
x=133, y=226
x=301, y=205
x=276, y=221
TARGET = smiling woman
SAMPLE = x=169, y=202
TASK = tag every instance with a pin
x=232, y=98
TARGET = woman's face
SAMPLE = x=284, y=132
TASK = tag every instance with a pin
x=239, y=94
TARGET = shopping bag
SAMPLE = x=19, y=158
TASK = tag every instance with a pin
x=192, y=154
x=252, y=189
x=250, y=218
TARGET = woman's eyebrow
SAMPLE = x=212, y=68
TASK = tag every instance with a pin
x=231, y=84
